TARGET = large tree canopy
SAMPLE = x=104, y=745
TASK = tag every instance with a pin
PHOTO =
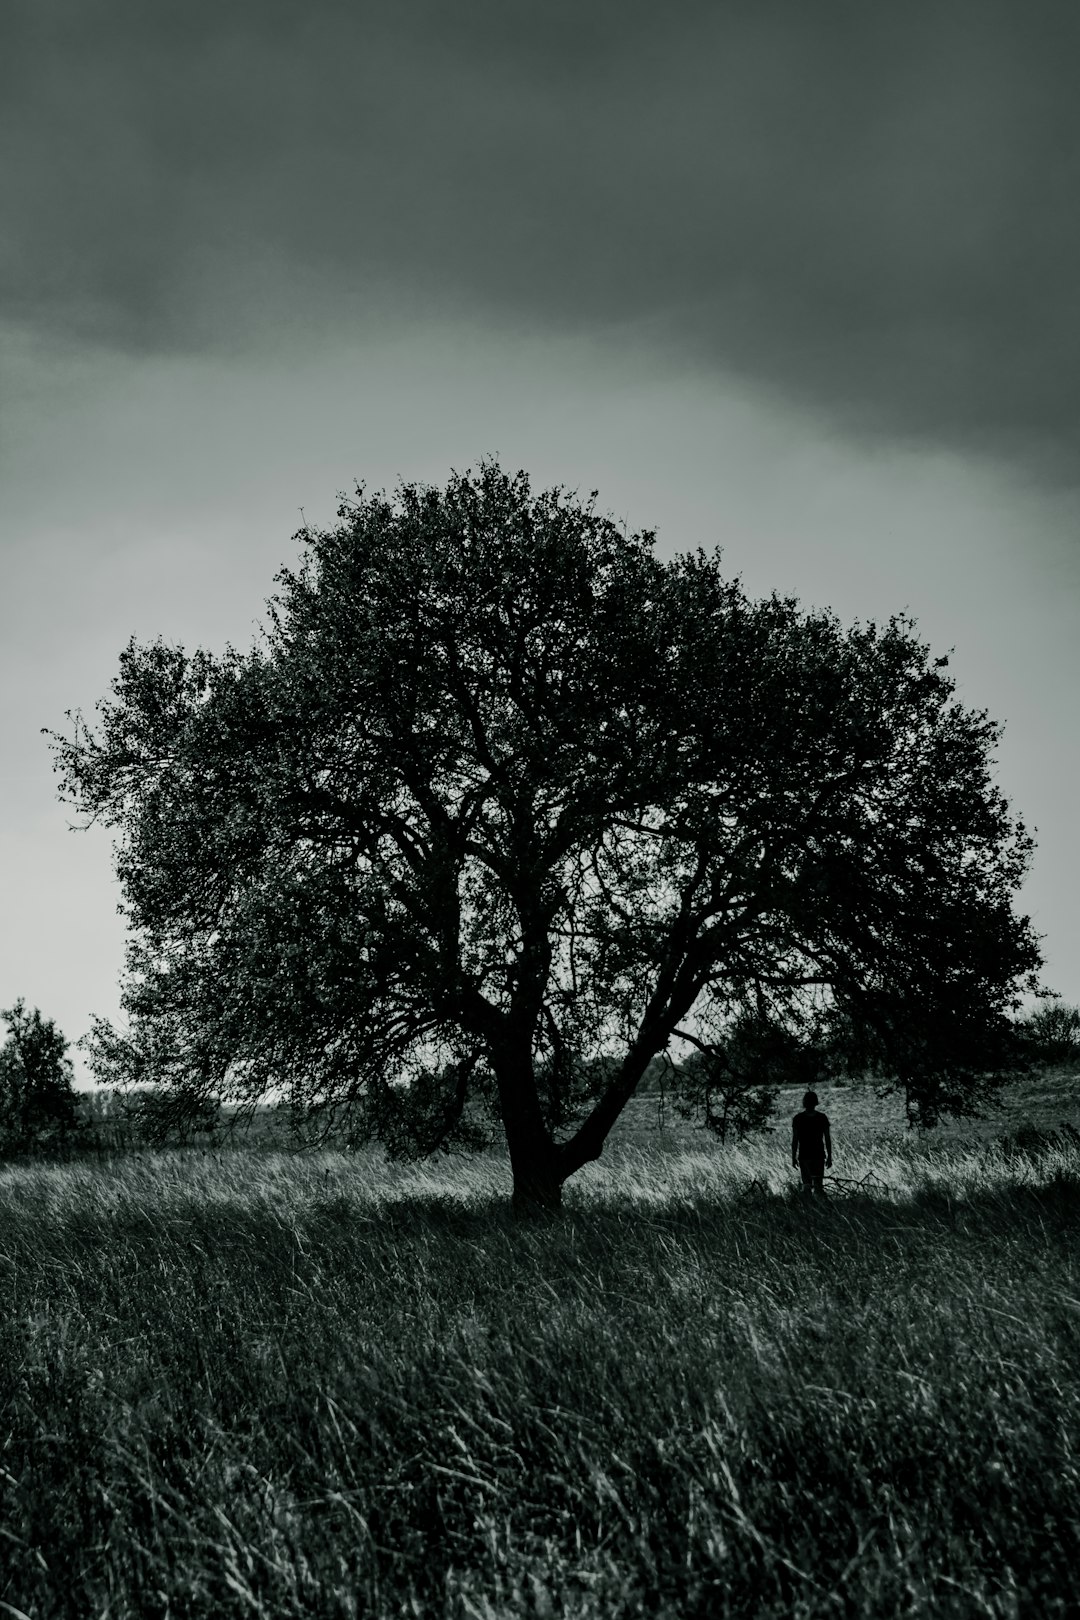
x=501, y=805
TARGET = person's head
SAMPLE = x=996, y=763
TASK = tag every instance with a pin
x=810, y=1100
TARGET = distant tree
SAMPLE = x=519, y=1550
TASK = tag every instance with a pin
x=101, y=1122
x=37, y=1097
x=501, y=805
x=1052, y=1033
x=160, y=1116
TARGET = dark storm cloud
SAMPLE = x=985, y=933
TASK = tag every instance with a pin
x=871, y=206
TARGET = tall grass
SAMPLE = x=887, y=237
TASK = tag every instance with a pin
x=271, y=1385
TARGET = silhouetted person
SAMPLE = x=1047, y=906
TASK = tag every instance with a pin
x=811, y=1144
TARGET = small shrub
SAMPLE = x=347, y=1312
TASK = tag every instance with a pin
x=1030, y=1141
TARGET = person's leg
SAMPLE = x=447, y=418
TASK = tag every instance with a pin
x=813, y=1175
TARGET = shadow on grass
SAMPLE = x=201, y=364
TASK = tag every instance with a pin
x=850, y=1219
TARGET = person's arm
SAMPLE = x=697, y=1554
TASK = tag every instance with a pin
x=828, y=1147
x=795, y=1143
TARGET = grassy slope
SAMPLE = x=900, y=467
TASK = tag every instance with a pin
x=259, y=1385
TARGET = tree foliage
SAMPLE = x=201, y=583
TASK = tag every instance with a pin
x=37, y=1096
x=502, y=804
x=731, y=1085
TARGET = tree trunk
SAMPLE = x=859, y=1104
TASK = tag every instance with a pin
x=535, y=1161
x=538, y=1183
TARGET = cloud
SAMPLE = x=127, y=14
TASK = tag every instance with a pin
x=870, y=208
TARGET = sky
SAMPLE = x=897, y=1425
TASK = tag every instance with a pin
x=802, y=281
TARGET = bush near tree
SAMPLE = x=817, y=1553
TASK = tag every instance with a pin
x=502, y=805
x=37, y=1095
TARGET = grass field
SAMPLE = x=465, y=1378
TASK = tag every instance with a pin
x=262, y=1384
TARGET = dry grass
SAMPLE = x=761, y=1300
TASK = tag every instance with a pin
x=267, y=1385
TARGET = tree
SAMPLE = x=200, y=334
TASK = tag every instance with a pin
x=1052, y=1034
x=501, y=805
x=37, y=1097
